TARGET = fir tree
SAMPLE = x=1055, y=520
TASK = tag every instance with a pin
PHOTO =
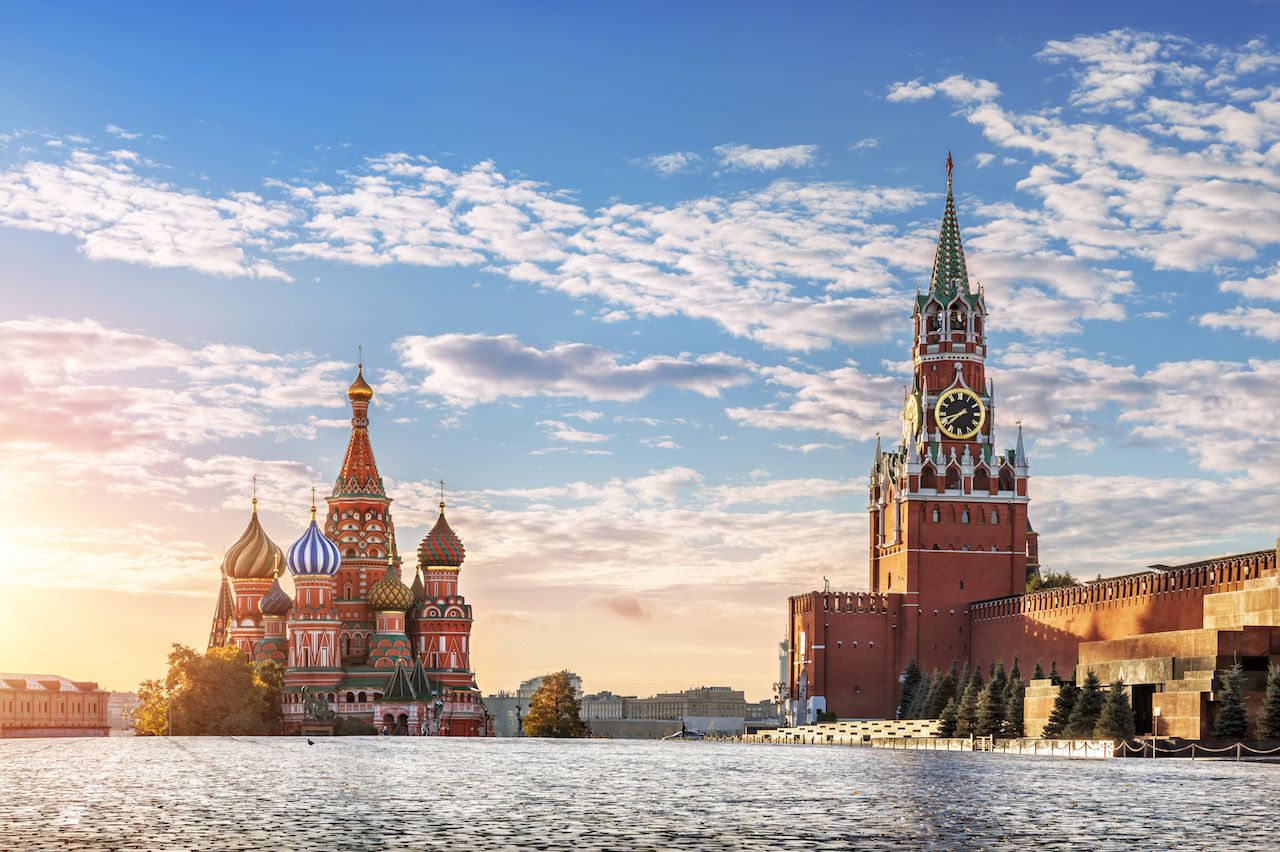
x=1268, y=724
x=945, y=692
x=967, y=712
x=1000, y=681
x=1232, y=723
x=910, y=682
x=1015, y=676
x=1061, y=711
x=916, y=710
x=947, y=719
x=936, y=685
x=1014, y=711
x=962, y=683
x=1087, y=709
x=990, y=711
x=1039, y=672
x=1116, y=720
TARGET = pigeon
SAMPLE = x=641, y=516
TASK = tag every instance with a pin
x=309, y=742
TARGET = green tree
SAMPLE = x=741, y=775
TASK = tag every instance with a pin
x=910, y=684
x=1053, y=672
x=553, y=710
x=990, y=710
x=962, y=683
x=1061, y=712
x=1087, y=709
x=1115, y=722
x=1015, y=711
x=967, y=712
x=1231, y=723
x=944, y=692
x=1268, y=724
x=947, y=718
x=916, y=710
x=218, y=693
x=1050, y=580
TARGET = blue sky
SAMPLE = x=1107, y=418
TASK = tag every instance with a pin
x=634, y=280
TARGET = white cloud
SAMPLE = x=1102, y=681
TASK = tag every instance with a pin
x=1256, y=322
x=673, y=163
x=117, y=214
x=765, y=159
x=912, y=90
x=561, y=431
x=1265, y=286
x=844, y=401
x=866, y=143
x=466, y=369
x=122, y=133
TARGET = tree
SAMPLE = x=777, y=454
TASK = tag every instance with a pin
x=916, y=710
x=910, y=684
x=1053, y=672
x=967, y=712
x=963, y=682
x=1268, y=724
x=1087, y=709
x=1015, y=711
x=1232, y=723
x=218, y=693
x=943, y=692
x=1051, y=580
x=990, y=710
x=947, y=719
x=553, y=710
x=1061, y=712
x=1116, y=720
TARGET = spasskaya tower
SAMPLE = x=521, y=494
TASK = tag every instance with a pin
x=948, y=513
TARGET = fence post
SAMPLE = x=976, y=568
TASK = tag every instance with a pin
x=1238, y=752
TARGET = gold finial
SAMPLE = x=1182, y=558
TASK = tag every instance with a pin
x=255, y=493
x=442, y=496
x=359, y=356
x=276, y=567
x=313, y=503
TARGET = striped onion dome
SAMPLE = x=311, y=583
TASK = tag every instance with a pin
x=390, y=594
x=441, y=547
x=254, y=556
x=313, y=554
x=276, y=601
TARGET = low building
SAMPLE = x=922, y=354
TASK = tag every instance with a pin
x=37, y=705
x=120, y=707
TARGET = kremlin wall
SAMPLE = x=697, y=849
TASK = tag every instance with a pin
x=354, y=636
x=951, y=549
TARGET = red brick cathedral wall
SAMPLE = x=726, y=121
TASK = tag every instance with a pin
x=1048, y=626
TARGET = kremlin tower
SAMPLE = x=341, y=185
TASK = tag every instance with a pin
x=354, y=637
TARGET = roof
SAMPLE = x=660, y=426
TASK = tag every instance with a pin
x=949, y=271
x=45, y=683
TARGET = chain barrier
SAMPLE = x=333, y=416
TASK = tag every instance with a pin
x=1238, y=748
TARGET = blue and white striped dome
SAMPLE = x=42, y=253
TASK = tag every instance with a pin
x=313, y=554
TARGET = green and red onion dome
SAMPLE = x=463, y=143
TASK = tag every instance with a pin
x=441, y=548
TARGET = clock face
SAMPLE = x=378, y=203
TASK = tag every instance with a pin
x=959, y=413
x=911, y=415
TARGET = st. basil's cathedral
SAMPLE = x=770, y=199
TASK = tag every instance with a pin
x=354, y=636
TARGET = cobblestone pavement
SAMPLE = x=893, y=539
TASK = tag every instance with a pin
x=388, y=794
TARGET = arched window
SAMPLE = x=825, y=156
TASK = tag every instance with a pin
x=937, y=516
x=964, y=516
x=981, y=482
x=1006, y=479
x=928, y=479
x=965, y=548
x=351, y=553
x=953, y=478
x=362, y=698
x=995, y=516
x=935, y=547
x=346, y=591
x=346, y=645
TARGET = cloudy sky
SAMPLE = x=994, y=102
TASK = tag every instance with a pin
x=634, y=280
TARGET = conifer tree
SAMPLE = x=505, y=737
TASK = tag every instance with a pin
x=1014, y=710
x=962, y=683
x=947, y=719
x=1061, y=712
x=1268, y=724
x=1039, y=672
x=1232, y=723
x=1000, y=681
x=936, y=684
x=910, y=682
x=944, y=693
x=1116, y=720
x=990, y=711
x=916, y=710
x=1087, y=709
x=967, y=712
x=1015, y=674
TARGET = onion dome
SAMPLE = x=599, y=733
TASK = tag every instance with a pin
x=275, y=601
x=253, y=556
x=360, y=390
x=389, y=594
x=441, y=547
x=313, y=554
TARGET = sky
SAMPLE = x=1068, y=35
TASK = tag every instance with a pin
x=633, y=279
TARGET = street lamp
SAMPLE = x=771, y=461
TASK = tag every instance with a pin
x=519, y=723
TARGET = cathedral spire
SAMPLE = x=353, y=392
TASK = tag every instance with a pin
x=359, y=473
x=949, y=271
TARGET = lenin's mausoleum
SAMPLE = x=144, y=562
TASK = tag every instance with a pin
x=354, y=637
x=951, y=550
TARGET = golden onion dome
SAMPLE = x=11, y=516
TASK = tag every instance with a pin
x=254, y=556
x=360, y=390
x=389, y=594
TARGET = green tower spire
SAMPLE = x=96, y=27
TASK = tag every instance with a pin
x=949, y=272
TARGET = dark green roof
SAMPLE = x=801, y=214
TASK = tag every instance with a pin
x=949, y=271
